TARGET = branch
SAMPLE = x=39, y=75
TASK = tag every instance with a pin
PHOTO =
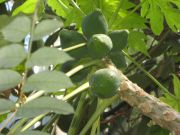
x=159, y=112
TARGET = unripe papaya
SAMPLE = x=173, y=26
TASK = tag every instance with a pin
x=70, y=38
x=105, y=83
x=94, y=23
x=119, y=39
x=100, y=45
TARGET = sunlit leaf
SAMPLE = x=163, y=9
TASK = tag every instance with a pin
x=9, y=79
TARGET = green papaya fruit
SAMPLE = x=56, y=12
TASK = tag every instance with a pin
x=119, y=39
x=94, y=23
x=104, y=83
x=100, y=45
x=70, y=38
x=118, y=59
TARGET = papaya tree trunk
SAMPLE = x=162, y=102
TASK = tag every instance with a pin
x=160, y=113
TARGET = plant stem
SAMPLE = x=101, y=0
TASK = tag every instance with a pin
x=149, y=75
x=76, y=91
x=74, y=47
x=74, y=4
x=75, y=123
x=17, y=126
x=80, y=67
x=50, y=122
x=33, y=121
x=114, y=16
x=7, y=121
x=95, y=127
x=100, y=108
x=34, y=20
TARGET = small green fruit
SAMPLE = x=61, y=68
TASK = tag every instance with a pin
x=100, y=45
x=94, y=23
x=119, y=39
x=105, y=83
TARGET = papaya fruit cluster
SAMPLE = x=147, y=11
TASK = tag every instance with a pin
x=100, y=42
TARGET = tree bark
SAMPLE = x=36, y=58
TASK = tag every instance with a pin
x=160, y=113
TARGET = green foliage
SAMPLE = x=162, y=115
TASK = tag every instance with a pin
x=9, y=79
x=47, y=57
x=44, y=105
x=17, y=29
x=12, y=55
x=46, y=27
x=67, y=35
x=48, y=81
x=32, y=133
x=172, y=101
x=6, y=105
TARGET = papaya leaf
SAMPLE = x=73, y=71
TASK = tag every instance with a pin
x=44, y=105
x=46, y=27
x=136, y=41
x=47, y=56
x=17, y=29
x=49, y=81
x=6, y=105
x=9, y=79
x=176, y=83
x=12, y=55
x=28, y=7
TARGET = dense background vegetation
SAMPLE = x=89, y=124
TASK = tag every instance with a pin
x=42, y=47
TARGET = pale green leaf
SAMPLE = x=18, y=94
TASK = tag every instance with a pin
x=156, y=18
x=12, y=55
x=44, y=105
x=136, y=41
x=6, y=105
x=9, y=79
x=27, y=7
x=59, y=7
x=17, y=29
x=46, y=27
x=176, y=83
x=32, y=133
x=1, y=1
x=49, y=81
x=131, y=21
x=47, y=56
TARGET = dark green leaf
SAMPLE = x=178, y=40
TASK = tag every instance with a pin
x=46, y=27
x=49, y=81
x=44, y=105
x=31, y=133
x=9, y=79
x=6, y=105
x=47, y=56
x=11, y=55
x=17, y=29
